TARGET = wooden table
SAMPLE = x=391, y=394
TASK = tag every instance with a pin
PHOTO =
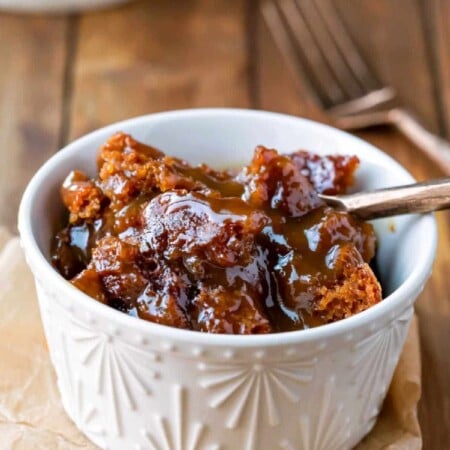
x=63, y=76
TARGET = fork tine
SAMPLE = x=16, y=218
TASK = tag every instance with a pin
x=385, y=96
x=286, y=46
x=347, y=46
x=327, y=46
x=290, y=34
x=318, y=71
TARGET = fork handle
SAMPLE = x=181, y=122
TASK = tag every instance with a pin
x=428, y=196
x=435, y=147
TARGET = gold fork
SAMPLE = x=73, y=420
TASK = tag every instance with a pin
x=320, y=51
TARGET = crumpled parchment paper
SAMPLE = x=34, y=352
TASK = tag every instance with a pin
x=31, y=414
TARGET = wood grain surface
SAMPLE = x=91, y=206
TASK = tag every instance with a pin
x=64, y=76
x=32, y=68
x=436, y=15
x=145, y=58
x=391, y=35
x=441, y=47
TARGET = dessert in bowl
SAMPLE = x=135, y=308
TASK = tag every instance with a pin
x=128, y=383
x=253, y=250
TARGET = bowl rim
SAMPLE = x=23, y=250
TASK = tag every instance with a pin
x=35, y=258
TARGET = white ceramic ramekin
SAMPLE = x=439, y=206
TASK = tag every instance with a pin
x=130, y=384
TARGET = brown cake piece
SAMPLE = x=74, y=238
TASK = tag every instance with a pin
x=273, y=180
x=165, y=298
x=329, y=174
x=223, y=310
x=116, y=263
x=354, y=288
x=81, y=197
x=181, y=224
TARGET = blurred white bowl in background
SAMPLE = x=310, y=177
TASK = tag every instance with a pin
x=56, y=6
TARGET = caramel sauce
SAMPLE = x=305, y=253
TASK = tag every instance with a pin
x=243, y=252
